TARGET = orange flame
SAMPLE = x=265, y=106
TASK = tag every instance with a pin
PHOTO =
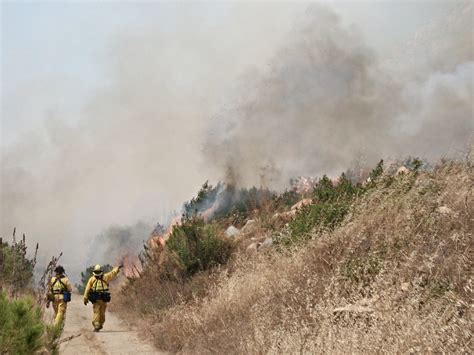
x=207, y=214
x=131, y=265
x=157, y=239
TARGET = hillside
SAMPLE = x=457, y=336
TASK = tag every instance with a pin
x=381, y=267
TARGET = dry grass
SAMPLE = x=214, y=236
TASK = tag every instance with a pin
x=395, y=277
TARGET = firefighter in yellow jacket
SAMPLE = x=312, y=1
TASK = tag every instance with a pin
x=59, y=293
x=97, y=291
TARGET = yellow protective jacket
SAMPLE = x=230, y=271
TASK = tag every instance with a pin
x=100, y=284
x=59, y=285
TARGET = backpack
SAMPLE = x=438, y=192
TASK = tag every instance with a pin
x=102, y=295
x=66, y=294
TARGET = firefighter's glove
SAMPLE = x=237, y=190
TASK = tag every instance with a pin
x=47, y=304
x=86, y=301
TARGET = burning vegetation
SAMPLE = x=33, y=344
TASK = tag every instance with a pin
x=373, y=260
x=354, y=258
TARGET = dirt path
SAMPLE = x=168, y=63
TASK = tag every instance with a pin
x=115, y=338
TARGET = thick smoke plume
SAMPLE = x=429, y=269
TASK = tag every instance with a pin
x=150, y=136
x=110, y=246
x=133, y=151
x=327, y=97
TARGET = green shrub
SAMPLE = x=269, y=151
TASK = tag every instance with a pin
x=321, y=214
x=21, y=325
x=243, y=201
x=85, y=275
x=197, y=246
x=286, y=199
x=16, y=269
x=377, y=171
x=326, y=191
x=333, y=202
x=204, y=200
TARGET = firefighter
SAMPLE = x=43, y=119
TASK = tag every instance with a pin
x=59, y=293
x=97, y=291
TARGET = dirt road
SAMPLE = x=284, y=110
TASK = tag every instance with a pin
x=115, y=338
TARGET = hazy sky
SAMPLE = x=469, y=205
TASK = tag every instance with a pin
x=105, y=105
x=55, y=54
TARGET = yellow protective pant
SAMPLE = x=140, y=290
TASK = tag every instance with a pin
x=98, y=319
x=59, y=307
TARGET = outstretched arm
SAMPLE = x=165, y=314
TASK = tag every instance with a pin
x=111, y=274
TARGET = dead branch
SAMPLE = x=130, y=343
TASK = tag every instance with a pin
x=64, y=340
x=47, y=275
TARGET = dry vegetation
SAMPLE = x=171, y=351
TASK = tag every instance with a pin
x=24, y=328
x=395, y=276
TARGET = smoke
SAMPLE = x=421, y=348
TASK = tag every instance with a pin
x=110, y=246
x=150, y=135
x=133, y=151
x=327, y=97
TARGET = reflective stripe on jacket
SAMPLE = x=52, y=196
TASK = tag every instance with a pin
x=59, y=285
x=99, y=287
